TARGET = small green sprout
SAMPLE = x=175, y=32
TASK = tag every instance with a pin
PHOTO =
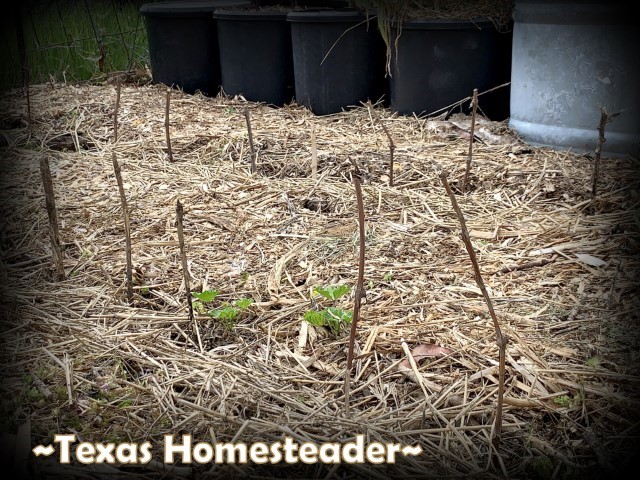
x=332, y=292
x=332, y=317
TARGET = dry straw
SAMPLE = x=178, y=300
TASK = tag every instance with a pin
x=561, y=268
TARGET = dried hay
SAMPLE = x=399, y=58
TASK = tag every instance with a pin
x=78, y=359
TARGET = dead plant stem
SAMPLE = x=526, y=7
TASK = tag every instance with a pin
x=166, y=125
x=52, y=213
x=115, y=111
x=474, y=107
x=247, y=117
x=127, y=227
x=185, y=269
x=501, y=340
x=359, y=294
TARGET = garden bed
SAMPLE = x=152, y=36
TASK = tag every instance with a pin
x=561, y=267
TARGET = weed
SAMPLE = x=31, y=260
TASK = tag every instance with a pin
x=568, y=401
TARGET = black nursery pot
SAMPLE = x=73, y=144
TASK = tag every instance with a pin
x=255, y=55
x=338, y=59
x=183, y=43
x=440, y=62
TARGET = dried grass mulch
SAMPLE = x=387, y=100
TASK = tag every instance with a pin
x=562, y=269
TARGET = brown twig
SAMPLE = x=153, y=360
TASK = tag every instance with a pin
x=359, y=295
x=501, y=340
x=314, y=154
x=185, y=269
x=392, y=146
x=604, y=119
x=127, y=227
x=52, y=213
x=253, y=150
x=474, y=107
x=166, y=125
x=115, y=111
x=524, y=266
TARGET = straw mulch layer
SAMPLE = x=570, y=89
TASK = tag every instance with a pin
x=561, y=267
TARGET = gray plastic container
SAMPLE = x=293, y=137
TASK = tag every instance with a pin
x=569, y=60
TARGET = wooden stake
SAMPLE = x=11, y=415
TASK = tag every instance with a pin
x=115, y=111
x=166, y=125
x=360, y=294
x=314, y=154
x=52, y=213
x=185, y=269
x=604, y=119
x=501, y=340
x=474, y=105
x=392, y=146
x=127, y=227
x=253, y=150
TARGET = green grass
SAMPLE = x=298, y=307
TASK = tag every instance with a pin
x=61, y=42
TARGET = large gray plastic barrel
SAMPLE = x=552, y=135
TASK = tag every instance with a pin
x=570, y=58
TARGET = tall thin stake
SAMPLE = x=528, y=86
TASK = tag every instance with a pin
x=166, y=124
x=52, y=213
x=314, y=154
x=115, y=111
x=604, y=119
x=127, y=227
x=359, y=295
x=185, y=269
x=474, y=107
x=253, y=150
x=392, y=146
x=501, y=340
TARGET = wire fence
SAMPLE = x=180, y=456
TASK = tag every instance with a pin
x=71, y=40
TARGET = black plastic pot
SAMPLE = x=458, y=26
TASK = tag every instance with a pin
x=183, y=43
x=255, y=55
x=338, y=59
x=439, y=62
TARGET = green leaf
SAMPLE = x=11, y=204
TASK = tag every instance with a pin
x=563, y=401
x=243, y=303
x=198, y=306
x=594, y=361
x=225, y=313
x=332, y=292
x=315, y=318
x=207, y=295
x=335, y=313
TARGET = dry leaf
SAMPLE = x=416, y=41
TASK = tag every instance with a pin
x=423, y=351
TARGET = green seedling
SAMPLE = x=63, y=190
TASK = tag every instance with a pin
x=332, y=317
x=206, y=296
x=332, y=292
x=567, y=401
x=227, y=313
